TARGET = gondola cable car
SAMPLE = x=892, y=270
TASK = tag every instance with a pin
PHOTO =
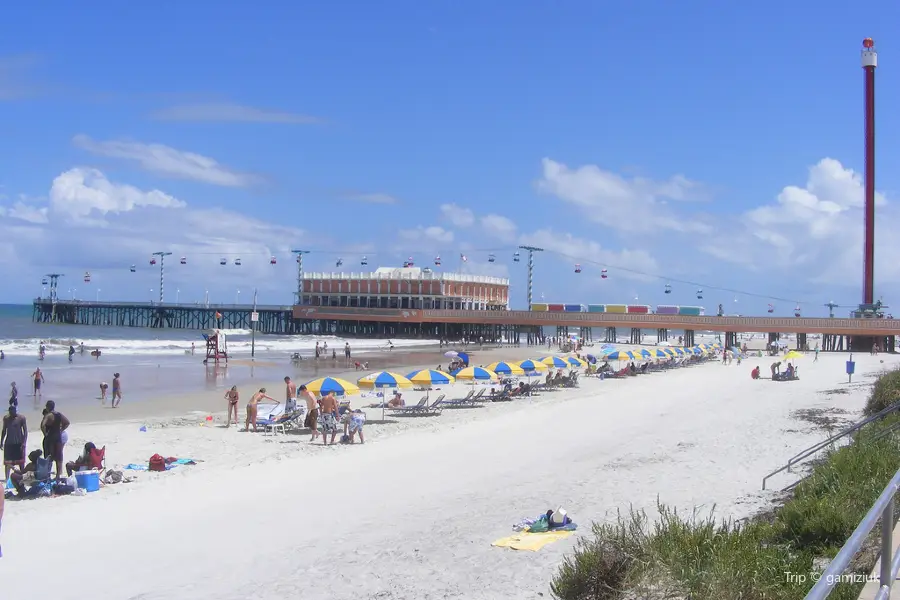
x=364, y=261
x=223, y=261
x=797, y=311
x=603, y=274
x=771, y=308
x=152, y=260
x=273, y=260
x=699, y=294
x=183, y=260
x=437, y=260
x=237, y=262
x=409, y=262
x=339, y=262
x=133, y=269
x=87, y=276
x=577, y=268
x=668, y=289
x=44, y=281
x=516, y=257
x=491, y=258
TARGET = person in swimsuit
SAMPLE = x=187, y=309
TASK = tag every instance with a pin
x=53, y=426
x=290, y=392
x=13, y=439
x=232, y=397
x=253, y=405
x=117, y=391
x=329, y=407
x=312, y=412
x=38, y=379
x=104, y=388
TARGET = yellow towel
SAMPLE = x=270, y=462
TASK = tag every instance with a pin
x=531, y=541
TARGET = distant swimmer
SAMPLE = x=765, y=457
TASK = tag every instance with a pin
x=96, y=353
x=42, y=351
x=71, y=352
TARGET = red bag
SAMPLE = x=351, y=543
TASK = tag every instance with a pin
x=157, y=463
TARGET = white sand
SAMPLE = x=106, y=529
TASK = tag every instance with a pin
x=412, y=514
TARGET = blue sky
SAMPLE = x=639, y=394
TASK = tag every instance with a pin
x=671, y=142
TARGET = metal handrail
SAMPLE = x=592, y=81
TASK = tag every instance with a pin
x=890, y=562
x=804, y=454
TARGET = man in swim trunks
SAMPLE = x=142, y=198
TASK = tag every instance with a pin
x=53, y=426
x=329, y=407
x=290, y=389
x=312, y=412
x=38, y=378
x=13, y=439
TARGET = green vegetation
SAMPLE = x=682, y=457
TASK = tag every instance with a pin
x=699, y=558
x=885, y=392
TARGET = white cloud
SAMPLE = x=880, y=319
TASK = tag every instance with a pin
x=227, y=112
x=628, y=263
x=815, y=233
x=80, y=193
x=457, y=215
x=24, y=209
x=500, y=227
x=632, y=205
x=427, y=234
x=93, y=224
x=167, y=161
x=375, y=198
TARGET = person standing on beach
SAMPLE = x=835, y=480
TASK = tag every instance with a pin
x=347, y=350
x=312, y=414
x=233, y=397
x=53, y=427
x=290, y=392
x=253, y=406
x=13, y=439
x=117, y=391
x=329, y=407
x=38, y=379
x=13, y=395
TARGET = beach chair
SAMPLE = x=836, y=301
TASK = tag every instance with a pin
x=408, y=409
x=464, y=401
x=282, y=422
x=426, y=410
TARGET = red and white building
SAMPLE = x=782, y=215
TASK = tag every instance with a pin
x=408, y=287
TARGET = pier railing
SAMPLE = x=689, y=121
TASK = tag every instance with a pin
x=890, y=561
x=806, y=453
x=191, y=305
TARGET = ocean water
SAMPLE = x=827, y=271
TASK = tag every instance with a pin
x=152, y=362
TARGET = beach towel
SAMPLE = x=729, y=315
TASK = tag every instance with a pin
x=531, y=541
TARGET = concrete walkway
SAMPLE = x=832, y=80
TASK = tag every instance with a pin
x=872, y=586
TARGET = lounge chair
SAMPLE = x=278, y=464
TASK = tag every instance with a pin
x=282, y=422
x=405, y=409
x=425, y=410
x=467, y=400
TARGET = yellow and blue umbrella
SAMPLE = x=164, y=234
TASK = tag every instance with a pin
x=644, y=353
x=504, y=368
x=622, y=355
x=659, y=353
x=476, y=374
x=532, y=366
x=327, y=385
x=555, y=361
x=678, y=351
x=574, y=361
x=430, y=377
x=385, y=379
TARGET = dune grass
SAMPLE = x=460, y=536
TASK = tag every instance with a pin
x=699, y=557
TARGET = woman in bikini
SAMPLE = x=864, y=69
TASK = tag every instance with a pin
x=253, y=405
x=232, y=397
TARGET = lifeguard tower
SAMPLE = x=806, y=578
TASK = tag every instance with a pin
x=216, y=347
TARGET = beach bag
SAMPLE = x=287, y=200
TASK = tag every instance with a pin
x=157, y=463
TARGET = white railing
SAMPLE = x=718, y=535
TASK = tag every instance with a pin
x=890, y=562
x=406, y=275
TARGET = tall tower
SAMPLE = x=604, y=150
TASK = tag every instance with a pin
x=869, y=62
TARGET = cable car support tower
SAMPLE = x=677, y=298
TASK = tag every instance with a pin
x=531, y=250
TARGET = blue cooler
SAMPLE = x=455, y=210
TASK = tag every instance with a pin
x=88, y=481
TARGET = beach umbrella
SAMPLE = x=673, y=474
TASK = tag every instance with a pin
x=504, y=368
x=555, y=361
x=658, y=353
x=668, y=351
x=793, y=354
x=451, y=353
x=533, y=366
x=644, y=353
x=678, y=351
x=591, y=359
x=382, y=380
x=430, y=377
x=463, y=357
x=326, y=385
x=476, y=374
x=621, y=355
x=574, y=361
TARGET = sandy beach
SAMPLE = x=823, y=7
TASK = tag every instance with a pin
x=413, y=512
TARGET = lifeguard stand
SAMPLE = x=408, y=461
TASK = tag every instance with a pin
x=216, y=346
